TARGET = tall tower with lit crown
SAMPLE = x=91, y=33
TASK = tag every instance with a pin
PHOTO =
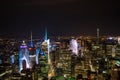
x=32, y=52
x=23, y=57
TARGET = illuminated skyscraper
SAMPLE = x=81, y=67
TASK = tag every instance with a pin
x=32, y=53
x=39, y=51
x=23, y=56
x=12, y=59
x=74, y=46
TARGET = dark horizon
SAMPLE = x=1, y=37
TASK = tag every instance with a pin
x=60, y=17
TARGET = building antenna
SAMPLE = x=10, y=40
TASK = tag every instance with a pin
x=46, y=34
x=98, y=32
x=98, y=35
x=31, y=40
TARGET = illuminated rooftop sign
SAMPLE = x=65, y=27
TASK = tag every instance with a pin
x=23, y=46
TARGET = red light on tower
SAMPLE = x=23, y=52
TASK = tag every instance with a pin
x=29, y=49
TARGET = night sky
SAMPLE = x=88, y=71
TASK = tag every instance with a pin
x=60, y=17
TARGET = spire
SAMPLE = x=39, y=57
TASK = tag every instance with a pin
x=46, y=34
x=98, y=33
x=31, y=36
x=31, y=41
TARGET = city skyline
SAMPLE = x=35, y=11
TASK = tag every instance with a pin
x=60, y=17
